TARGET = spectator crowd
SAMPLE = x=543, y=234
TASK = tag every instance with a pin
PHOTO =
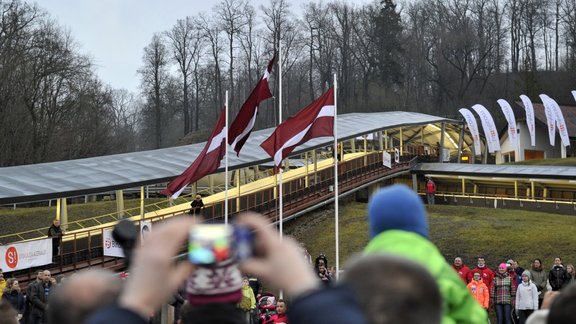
x=400, y=277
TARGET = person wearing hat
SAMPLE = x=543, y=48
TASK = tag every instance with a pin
x=503, y=294
x=526, y=298
x=197, y=205
x=399, y=226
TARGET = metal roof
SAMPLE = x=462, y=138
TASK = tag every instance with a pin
x=498, y=171
x=128, y=170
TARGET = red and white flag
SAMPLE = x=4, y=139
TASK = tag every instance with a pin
x=316, y=120
x=244, y=122
x=207, y=162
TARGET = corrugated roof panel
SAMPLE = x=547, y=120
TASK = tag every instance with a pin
x=127, y=170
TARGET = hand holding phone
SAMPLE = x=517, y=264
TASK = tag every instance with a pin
x=212, y=243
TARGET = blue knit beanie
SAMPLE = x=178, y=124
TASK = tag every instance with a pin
x=397, y=208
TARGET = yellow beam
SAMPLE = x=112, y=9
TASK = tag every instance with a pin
x=463, y=186
x=516, y=188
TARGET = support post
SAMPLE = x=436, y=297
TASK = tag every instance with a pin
x=238, y=171
x=463, y=186
x=142, y=202
x=532, y=189
x=386, y=139
x=441, y=144
x=414, y=183
x=460, y=143
x=515, y=188
x=120, y=203
x=401, y=142
x=306, y=179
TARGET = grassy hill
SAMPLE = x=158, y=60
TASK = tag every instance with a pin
x=468, y=232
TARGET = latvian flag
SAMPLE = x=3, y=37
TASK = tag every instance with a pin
x=316, y=120
x=207, y=162
x=244, y=122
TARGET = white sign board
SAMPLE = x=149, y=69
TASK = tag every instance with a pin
x=145, y=229
x=396, y=155
x=110, y=246
x=445, y=154
x=25, y=255
x=387, y=159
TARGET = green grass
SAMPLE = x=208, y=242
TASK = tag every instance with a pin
x=468, y=232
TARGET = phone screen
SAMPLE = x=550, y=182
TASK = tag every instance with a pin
x=209, y=244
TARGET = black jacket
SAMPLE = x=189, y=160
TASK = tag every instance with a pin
x=55, y=232
x=16, y=299
x=557, y=277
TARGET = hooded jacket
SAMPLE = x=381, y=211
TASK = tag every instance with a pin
x=540, y=279
x=526, y=295
x=480, y=292
x=399, y=226
x=486, y=273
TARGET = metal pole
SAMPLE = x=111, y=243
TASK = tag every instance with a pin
x=336, y=225
x=226, y=166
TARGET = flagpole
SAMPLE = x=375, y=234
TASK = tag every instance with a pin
x=336, y=176
x=280, y=189
x=226, y=165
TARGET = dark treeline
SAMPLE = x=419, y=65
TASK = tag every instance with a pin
x=432, y=56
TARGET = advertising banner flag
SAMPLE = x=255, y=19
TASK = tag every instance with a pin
x=529, y=118
x=489, y=128
x=473, y=127
x=558, y=117
x=25, y=255
x=509, y=114
x=550, y=119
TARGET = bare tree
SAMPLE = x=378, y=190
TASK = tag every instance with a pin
x=181, y=39
x=154, y=76
x=232, y=17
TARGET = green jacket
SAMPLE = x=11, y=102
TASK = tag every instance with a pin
x=459, y=306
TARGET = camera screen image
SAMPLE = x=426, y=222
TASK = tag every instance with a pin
x=209, y=244
x=213, y=243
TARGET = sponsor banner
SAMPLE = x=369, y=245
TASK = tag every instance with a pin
x=396, y=155
x=145, y=230
x=550, y=118
x=445, y=154
x=473, y=127
x=110, y=246
x=387, y=159
x=489, y=128
x=560, y=123
x=26, y=255
x=529, y=118
x=509, y=114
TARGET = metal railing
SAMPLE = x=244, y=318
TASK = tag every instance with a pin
x=84, y=248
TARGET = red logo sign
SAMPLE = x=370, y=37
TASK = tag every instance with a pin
x=11, y=257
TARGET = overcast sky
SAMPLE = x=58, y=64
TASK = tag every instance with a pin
x=115, y=32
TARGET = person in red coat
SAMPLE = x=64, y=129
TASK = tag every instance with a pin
x=487, y=274
x=463, y=270
x=280, y=317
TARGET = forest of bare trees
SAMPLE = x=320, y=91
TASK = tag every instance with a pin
x=431, y=56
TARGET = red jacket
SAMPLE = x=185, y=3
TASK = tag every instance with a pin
x=280, y=319
x=487, y=275
x=430, y=187
x=463, y=272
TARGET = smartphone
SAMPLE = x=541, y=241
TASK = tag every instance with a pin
x=213, y=243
